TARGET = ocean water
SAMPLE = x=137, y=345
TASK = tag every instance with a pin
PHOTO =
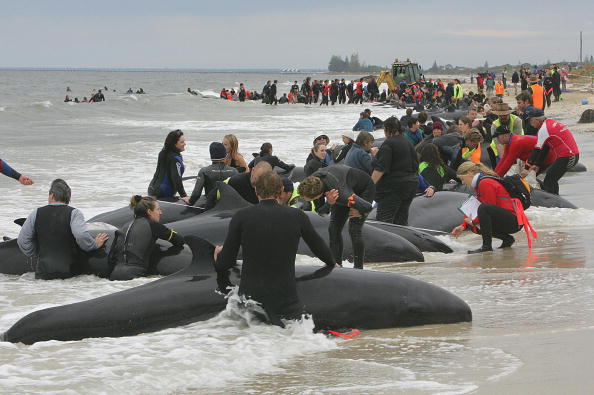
x=527, y=305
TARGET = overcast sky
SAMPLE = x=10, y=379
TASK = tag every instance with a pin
x=280, y=34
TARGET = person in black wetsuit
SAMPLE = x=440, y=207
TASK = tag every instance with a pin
x=349, y=194
x=242, y=93
x=208, y=176
x=266, y=156
x=272, y=99
x=395, y=173
x=167, y=180
x=268, y=234
x=12, y=173
x=56, y=234
x=317, y=161
x=348, y=138
x=342, y=88
x=140, y=239
x=243, y=183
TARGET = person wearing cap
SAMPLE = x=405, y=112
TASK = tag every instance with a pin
x=557, y=137
x=318, y=155
x=348, y=138
x=507, y=119
x=364, y=123
x=210, y=175
x=362, y=153
x=538, y=94
x=476, y=150
x=516, y=147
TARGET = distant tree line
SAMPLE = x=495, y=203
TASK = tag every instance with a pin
x=351, y=64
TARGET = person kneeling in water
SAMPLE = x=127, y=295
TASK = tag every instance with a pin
x=348, y=193
x=268, y=234
x=55, y=234
x=140, y=239
x=499, y=215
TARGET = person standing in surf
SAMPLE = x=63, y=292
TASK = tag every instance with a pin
x=268, y=235
x=167, y=180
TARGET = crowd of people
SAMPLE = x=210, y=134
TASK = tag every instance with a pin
x=416, y=157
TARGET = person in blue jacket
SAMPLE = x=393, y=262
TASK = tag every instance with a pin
x=364, y=123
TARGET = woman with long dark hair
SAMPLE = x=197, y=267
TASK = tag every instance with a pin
x=167, y=180
x=432, y=168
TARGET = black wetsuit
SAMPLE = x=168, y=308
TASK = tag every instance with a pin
x=398, y=185
x=347, y=181
x=167, y=180
x=273, y=160
x=269, y=235
x=241, y=183
x=241, y=94
x=208, y=177
x=341, y=152
x=334, y=92
x=342, y=93
x=139, y=244
x=272, y=98
x=313, y=165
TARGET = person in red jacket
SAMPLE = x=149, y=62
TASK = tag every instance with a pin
x=517, y=147
x=325, y=93
x=498, y=215
x=557, y=137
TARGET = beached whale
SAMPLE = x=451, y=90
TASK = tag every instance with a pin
x=343, y=298
x=380, y=246
x=212, y=225
x=164, y=260
x=538, y=197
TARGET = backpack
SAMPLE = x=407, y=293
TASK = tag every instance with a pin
x=517, y=188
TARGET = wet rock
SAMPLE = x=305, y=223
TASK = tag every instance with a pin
x=587, y=116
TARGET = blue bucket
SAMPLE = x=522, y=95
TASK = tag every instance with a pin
x=584, y=102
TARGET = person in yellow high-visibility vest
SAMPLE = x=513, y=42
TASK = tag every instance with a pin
x=507, y=119
x=458, y=92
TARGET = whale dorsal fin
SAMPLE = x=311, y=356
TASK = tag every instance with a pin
x=230, y=199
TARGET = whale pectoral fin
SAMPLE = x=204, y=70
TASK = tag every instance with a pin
x=20, y=221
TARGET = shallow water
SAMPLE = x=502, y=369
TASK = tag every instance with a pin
x=533, y=312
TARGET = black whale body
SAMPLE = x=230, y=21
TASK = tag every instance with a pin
x=381, y=246
x=212, y=226
x=344, y=298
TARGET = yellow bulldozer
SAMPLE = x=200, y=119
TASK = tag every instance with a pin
x=401, y=71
